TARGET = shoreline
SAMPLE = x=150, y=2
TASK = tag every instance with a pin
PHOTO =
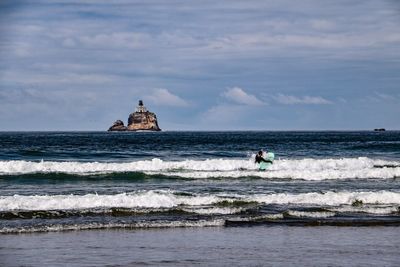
x=208, y=246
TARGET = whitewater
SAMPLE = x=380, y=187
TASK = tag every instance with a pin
x=98, y=181
x=307, y=169
x=168, y=199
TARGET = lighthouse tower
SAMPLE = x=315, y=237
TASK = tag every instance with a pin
x=141, y=108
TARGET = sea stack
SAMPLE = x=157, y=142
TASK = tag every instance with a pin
x=118, y=126
x=140, y=120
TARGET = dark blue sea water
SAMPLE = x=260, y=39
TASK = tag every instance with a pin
x=77, y=181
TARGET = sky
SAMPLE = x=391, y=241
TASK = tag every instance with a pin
x=200, y=65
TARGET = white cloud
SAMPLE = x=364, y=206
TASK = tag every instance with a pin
x=385, y=96
x=223, y=116
x=321, y=37
x=321, y=24
x=378, y=97
x=163, y=97
x=239, y=96
x=116, y=40
x=57, y=78
x=263, y=41
x=291, y=100
x=68, y=42
x=22, y=49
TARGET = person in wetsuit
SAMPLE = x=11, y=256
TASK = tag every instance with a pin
x=259, y=158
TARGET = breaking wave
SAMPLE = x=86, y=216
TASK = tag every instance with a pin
x=307, y=214
x=148, y=199
x=169, y=199
x=169, y=209
x=98, y=226
x=307, y=169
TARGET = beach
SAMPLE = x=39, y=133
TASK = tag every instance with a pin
x=236, y=246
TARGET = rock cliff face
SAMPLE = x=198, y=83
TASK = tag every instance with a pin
x=117, y=126
x=140, y=120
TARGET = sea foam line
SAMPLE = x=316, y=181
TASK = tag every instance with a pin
x=70, y=167
x=148, y=199
x=97, y=226
x=169, y=199
x=308, y=169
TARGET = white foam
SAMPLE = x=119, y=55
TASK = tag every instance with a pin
x=169, y=199
x=330, y=198
x=214, y=210
x=368, y=209
x=309, y=214
x=23, y=167
x=308, y=169
x=149, y=199
x=275, y=216
x=94, y=226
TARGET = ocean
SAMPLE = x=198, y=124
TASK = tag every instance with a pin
x=190, y=192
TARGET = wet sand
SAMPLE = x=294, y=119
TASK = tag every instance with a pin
x=208, y=246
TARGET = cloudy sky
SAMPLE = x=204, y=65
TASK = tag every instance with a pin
x=200, y=65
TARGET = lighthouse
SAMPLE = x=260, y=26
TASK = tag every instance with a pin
x=141, y=108
x=140, y=120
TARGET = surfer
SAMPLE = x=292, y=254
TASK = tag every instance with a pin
x=260, y=158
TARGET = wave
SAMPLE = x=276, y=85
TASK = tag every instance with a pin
x=98, y=226
x=235, y=222
x=170, y=199
x=375, y=209
x=307, y=214
x=147, y=199
x=331, y=198
x=117, y=212
x=246, y=213
x=307, y=169
x=169, y=209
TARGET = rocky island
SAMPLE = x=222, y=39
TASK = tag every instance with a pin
x=140, y=120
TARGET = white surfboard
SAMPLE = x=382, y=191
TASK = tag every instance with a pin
x=265, y=165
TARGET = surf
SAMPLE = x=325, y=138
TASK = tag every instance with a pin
x=172, y=199
x=303, y=168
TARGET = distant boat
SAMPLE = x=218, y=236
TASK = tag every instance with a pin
x=380, y=130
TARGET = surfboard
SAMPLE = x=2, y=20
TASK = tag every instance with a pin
x=265, y=165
